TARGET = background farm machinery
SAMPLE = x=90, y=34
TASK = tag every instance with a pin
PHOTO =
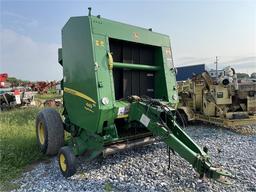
x=17, y=93
x=13, y=96
x=223, y=101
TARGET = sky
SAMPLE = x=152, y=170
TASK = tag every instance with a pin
x=30, y=31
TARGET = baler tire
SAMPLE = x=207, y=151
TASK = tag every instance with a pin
x=182, y=119
x=67, y=161
x=49, y=131
x=185, y=119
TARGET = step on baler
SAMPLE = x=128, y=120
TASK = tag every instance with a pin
x=119, y=92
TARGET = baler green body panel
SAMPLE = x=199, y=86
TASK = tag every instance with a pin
x=79, y=72
x=85, y=51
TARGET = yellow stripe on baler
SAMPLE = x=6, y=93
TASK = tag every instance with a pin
x=79, y=94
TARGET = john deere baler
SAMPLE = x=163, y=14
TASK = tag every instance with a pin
x=119, y=92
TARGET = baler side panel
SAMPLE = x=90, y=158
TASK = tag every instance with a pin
x=170, y=75
x=104, y=79
x=80, y=85
x=165, y=83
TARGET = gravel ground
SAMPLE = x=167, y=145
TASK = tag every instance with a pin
x=146, y=168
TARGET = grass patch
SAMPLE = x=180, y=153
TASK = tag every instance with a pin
x=18, y=146
x=48, y=96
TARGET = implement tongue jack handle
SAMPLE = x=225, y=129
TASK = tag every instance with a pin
x=158, y=117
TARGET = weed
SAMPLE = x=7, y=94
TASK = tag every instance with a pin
x=18, y=146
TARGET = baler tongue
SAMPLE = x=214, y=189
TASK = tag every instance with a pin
x=220, y=175
x=159, y=118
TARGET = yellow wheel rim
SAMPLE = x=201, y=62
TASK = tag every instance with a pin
x=63, y=164
x=41, y=134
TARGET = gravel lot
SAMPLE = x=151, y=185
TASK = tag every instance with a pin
x=146, y=168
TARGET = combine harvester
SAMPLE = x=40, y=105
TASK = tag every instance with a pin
x=119, y=92
x=223, y=101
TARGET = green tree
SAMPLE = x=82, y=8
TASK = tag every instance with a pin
x=253, y=75
x=242, y=75
x=13, y=81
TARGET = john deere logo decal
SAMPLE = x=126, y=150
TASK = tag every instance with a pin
x=136, y=35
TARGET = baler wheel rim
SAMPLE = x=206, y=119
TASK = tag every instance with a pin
x=63, y=164
x=67, y=161
x=41, y=133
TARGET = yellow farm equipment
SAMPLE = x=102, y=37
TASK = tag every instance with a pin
x=222, y=101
